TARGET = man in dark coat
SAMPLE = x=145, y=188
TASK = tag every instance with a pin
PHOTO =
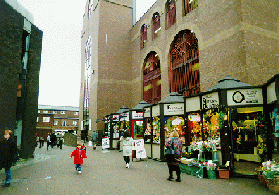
x=8, y=155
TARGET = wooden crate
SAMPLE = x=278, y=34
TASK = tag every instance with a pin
x=224, y=173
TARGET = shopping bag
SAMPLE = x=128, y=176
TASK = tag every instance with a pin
x=90, y=143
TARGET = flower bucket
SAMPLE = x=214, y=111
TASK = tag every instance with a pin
x=211, y=174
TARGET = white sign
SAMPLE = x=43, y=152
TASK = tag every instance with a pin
x=89, y=128
x=193, y=104
x=271, y=93
x=105, y=143
x=173, y=109
x=124, y=116
x=137, y=115
x=210, y=101
x=115, y=117
x=146, y=113
x=244, y=96
x=140, y=150
x=156, y=110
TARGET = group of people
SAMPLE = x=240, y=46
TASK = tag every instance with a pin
x=53, y=140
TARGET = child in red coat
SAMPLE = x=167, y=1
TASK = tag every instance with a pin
x=79, y=155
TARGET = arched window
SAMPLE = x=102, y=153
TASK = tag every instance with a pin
x=143, y=35
x=156, y=28
x=184, y=64
x=189, y=5
x=152, y=78
x=171, y=13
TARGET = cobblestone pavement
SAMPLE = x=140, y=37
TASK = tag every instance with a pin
x=104, y=172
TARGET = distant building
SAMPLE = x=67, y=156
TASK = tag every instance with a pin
x=20, y=51
x=58, y=119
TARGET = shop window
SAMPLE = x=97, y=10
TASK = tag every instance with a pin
x=37, y=119
x=46, y=119
x=174, y=123
x=156, y=130
x=54, y=112
x=152, y=78
x=76, y=113
x=138, y=129
x=184, y=64
x=55, y=122
x=246, y=137
x=143, y=35
x=45, y=111
x=147, y=133
x=64, y=123
x=62, y=112
x=74, y=123
x=38, y=111
x=171, y=13
x=189, y=5
x=156, y=28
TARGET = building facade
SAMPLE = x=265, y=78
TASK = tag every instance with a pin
x=177, y=46
x=21, y=44
x=58, y=119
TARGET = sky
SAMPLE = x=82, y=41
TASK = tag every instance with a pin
x=61, y=23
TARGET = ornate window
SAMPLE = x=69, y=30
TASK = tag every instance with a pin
x=156, y=28
x=143, y=35
x=171, y=13
x=152, y=78
x=189, y=5
x=184, y=64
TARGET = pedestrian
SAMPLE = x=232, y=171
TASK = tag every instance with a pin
x=79, y=154
x=37, y=140
x=173, y=154
x=41, y=142
x=53, y=139
x=94, y=139
x=48, y=141
x=8, y=155
x=127, y=147
x=61, y=142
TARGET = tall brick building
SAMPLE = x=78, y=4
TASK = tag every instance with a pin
x=21, y=44
x=177, y=46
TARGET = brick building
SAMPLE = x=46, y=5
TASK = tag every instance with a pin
x=21, y=44
x=177, y=46
x=57, y=119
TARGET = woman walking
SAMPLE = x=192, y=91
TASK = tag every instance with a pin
x=8, y=155
x=173, y=154
x=127, y=147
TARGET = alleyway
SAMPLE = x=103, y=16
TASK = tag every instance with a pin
x=53, y=172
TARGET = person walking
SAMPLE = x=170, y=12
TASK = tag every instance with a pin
x=94, y=139
x=48, y=141
x=79, y=154
x=41, y=142
x=173, y=155
x=8, y=155
x=127, y=147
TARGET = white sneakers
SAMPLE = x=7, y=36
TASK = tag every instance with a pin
x=79, y=172
x=127, y=165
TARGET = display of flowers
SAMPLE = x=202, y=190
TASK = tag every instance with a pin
x=207, y=146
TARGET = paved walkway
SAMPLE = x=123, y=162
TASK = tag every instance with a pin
x=104, y=172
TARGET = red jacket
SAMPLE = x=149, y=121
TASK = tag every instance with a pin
x=79, y=156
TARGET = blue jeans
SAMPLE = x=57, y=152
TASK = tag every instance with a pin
x=78, y=167
x=8, y=175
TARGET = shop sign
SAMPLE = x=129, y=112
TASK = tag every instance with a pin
x=105, y=143
x=156, y=110
x=124, y=116
x=146, y=112
x=137, y=115
x=193, y=104
x=244, y=96
x=271, y=93
x=173, y=109
x=115, y=118
x=210, y=101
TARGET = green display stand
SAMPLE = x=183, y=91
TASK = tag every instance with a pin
x=211, y=174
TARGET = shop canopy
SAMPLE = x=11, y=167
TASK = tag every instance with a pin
x=228, y=83
x=141, y=105
x=173, y=97
x=122, y=110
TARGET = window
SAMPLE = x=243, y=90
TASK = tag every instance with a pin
x=184, y=64
x=54, y=112
x=46, y=119
x=74, y=123
x=45, y=111
x=37, y=119
x=76, y=113
x=189, y=5
x=38, y=111
x=156, y=25
x=64, y=123
x=55, y=123
x=62, y=112
x=90, y=7
x=143, y=35
x=152, y=78
x=171, y=13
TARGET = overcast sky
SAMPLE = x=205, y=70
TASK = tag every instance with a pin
x=61, y=23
